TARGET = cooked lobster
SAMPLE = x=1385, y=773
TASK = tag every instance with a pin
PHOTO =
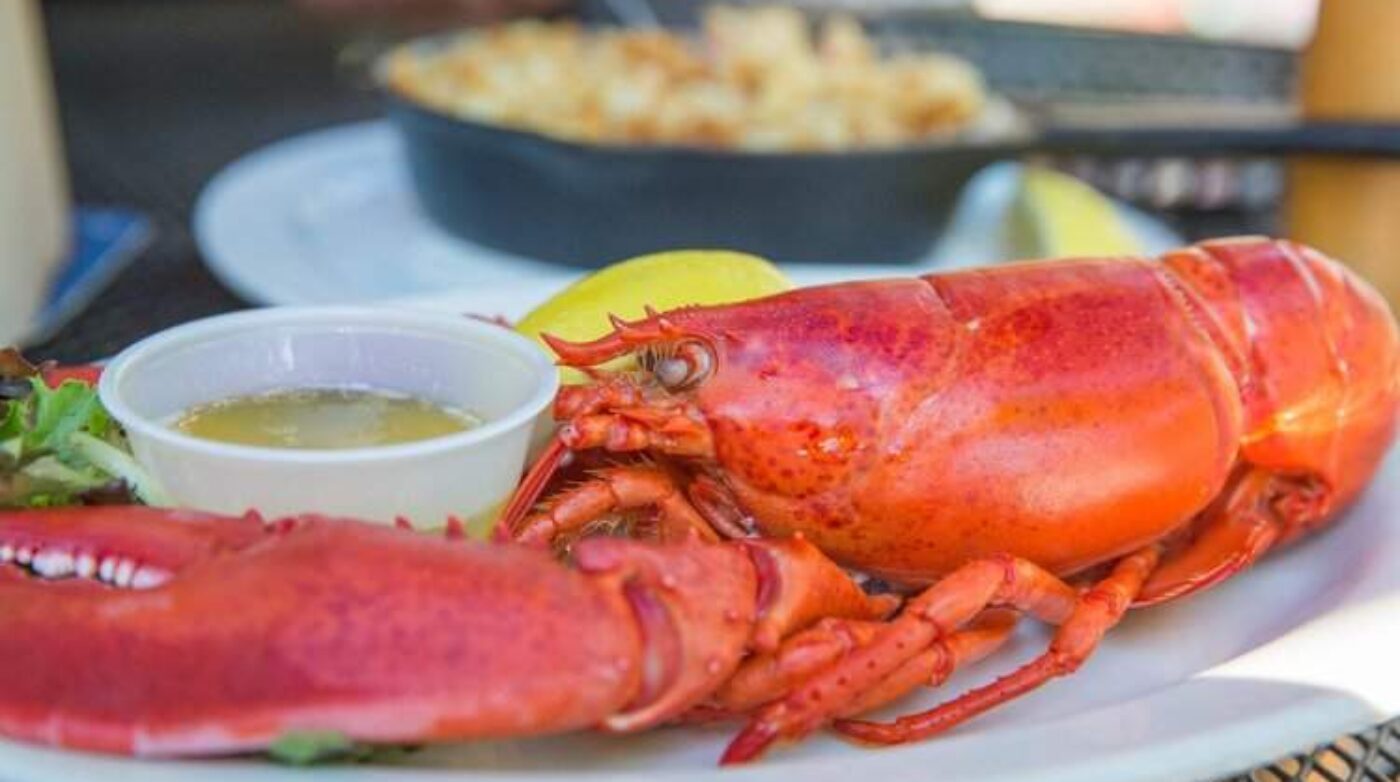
x=811, y=504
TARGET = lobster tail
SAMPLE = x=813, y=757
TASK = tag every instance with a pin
x=1314, y=349
x=1314, y=353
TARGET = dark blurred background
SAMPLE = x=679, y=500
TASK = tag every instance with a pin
x=156, y=96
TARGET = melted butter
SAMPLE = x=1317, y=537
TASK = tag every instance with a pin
x=323, y=418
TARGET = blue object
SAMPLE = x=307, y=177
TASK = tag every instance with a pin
x=105, y=241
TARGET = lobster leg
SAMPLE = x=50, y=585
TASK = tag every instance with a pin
x=615, y=489
x=928, y=621
x=1097, y=610
x=719, y=507
x=765, y=677
x=606, y=391
x=677, y=432
x=663, y=429
x=768, y=677
x=979, y=638
x=1261, y=509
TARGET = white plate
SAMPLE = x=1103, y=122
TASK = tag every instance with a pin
x=330, y=217
x=1296, y=651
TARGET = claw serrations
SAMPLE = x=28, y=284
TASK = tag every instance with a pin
x=165, y=539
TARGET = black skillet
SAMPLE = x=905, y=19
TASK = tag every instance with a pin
x=588, y=204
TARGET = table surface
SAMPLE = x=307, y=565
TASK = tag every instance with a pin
x=156, y=96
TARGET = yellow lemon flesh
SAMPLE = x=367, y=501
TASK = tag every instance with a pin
x=1058, y=216
x=662, y=280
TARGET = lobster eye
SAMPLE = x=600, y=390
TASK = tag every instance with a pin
x=688, y=366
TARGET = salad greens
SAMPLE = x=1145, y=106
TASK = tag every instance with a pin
x=314, y=748
x=58, y=446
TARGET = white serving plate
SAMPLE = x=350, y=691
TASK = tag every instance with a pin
x=329, y=217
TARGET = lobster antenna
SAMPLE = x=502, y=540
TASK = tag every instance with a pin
x=623, y=339
x=585, y=354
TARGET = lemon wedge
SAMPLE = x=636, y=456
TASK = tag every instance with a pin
x=662, y=280
x=1057, y=216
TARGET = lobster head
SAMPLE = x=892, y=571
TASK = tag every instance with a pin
x=780, y=396
x=782, y=355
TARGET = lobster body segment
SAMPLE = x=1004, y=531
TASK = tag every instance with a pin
x=1066, y=412
x=909, y=436
x=1315, y=352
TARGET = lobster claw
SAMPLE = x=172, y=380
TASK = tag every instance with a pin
x=254, y=630
x=132, y=539
x=694, y=603
x=312, y=624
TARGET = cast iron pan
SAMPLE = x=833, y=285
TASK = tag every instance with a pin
x=590, y=205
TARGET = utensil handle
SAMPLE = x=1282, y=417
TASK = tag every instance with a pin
x=1351, y=139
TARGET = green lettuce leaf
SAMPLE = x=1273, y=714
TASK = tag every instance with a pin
x=313, y=748
x=58, y=445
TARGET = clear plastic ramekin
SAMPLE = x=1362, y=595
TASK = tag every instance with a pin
x=455, y=361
